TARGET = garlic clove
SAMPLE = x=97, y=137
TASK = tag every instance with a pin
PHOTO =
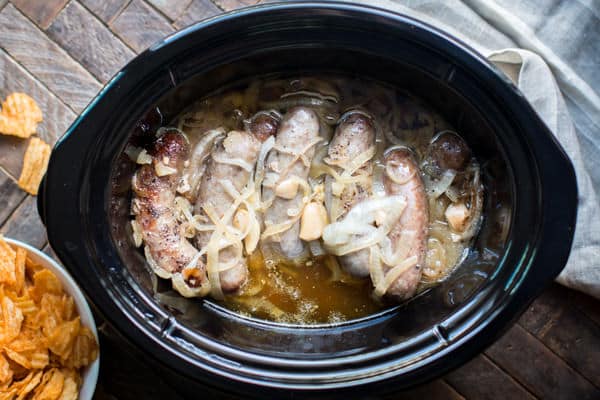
x=287, y=189
x=313, y=221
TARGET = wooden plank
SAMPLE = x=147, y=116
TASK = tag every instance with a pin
x=57, y=116
x=10, y=196
x=577, y=340
x=12, y=150
x=90, y=42
x=436, y=390
x=46, y=60
x=586, y=304
x=41, y=12
x=481, y=379
x=197, y=11
x=25, y=224
x=140, y=26
x=171, y=8
x=537, y=368
x=228, y=5
x=545, y=309
x=566, y=331
x=106, y=10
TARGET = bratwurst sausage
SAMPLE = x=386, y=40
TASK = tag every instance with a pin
x=154, y=186
x=350, y=153
x=402, y=177
x=230, y=166
x=287, y=169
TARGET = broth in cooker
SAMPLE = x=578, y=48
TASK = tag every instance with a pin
x=316, y=199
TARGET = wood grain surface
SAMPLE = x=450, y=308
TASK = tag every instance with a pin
x=197, y=11
x=90, y=42
x=140, y=25
x=45, y=59
x=106, y=10
x=41, y=12
x=61, y=52
x=173, y=9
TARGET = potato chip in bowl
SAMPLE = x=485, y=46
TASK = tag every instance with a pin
x=48, y=338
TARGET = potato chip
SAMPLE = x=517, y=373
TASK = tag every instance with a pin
x=61, y=340
x=17, y=357
x=29, y=383
x=26, y=305
x=70, y=390
x=85, y=349
x=6, y=373
x=7, y=263
x=28, y=340
x=68, y=308
x=19, y=116
x=9, y=394
x=39, y=359
x=21, y=256
x=40, y=332
x=31, y=267
x=52, y=388
x=35, y=163
x=12, y=317
x=45, y=282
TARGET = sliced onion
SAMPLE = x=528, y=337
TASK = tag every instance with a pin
x=158, y=270
x=375, y=267
x=453, y=194
x=137, y=233
x=435, y=188
x=394, y=274
x=333, y=265
x=260, y=162
x=202, y=149
x=356, y=230
x=180, y=285
x=476, y=208
x=238, y=162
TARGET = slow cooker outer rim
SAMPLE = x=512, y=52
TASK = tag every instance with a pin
x=62, y=248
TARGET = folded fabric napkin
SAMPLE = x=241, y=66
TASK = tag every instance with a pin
x=551, y=51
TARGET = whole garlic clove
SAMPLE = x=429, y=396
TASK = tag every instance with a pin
x=313, y=221
x=287, y=189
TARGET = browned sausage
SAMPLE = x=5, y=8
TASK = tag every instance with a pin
x=297, y=134
x=449, y=151
x=233, y=159
x=153, y=207
x=402, y=177
x=354, y=136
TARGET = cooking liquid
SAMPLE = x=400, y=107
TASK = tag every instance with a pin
x=317, y=290
x=309, y=293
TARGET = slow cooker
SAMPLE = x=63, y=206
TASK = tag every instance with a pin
x=524, y=242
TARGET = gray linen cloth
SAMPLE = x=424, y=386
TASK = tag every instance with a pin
x=551, y=50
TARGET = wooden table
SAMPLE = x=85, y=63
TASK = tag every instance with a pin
x=62, y=52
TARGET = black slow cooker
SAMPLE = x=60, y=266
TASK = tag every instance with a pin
x=524, y=242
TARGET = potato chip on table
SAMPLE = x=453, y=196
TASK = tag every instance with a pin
x=19, y=115
x=43, y=345
x=35, y=164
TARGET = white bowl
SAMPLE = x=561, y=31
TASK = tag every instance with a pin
x=90, y=373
